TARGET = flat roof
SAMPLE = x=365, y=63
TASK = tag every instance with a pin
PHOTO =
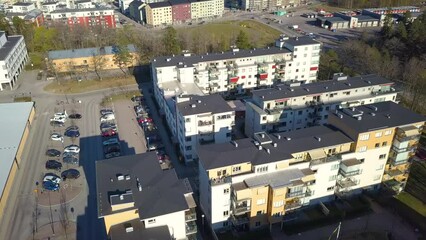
x=161, y=191
x=377, y=116
x=189, y=61
x=365, y=18
x=13, y=120
x=203, y=104
x=284, y=91
x=159, y=4
x=225, y=154
x=86, y=52
x=275, y=179
x=118, y=231
x=67, y=10
x=6, y=49
x=335, y=19
x=301, y=41
x=24, y=4
x=177, y=2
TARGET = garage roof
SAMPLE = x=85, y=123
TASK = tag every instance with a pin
x=13, y=120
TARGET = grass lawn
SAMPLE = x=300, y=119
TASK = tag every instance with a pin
x=412, y=202
x=122, y=96
x=88, y=85
x=259, y=34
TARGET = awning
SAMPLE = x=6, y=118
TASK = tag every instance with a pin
x=317, y=154
x=410, y=131
x=263, y=76
x=234, y=79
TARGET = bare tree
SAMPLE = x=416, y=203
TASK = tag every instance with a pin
x=414, y=77
x=98, y=62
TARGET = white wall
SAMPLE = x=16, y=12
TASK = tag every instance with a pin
x=175, y=221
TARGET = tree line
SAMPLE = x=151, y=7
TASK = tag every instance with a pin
x=372, y=3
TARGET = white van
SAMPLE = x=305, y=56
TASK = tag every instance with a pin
x=107, y=117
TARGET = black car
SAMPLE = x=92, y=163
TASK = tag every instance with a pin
x=72, y=133
x=57, y=124
x=137, y=98
x=52, y=164
x=75, y=116
x=106, y=111
x=70, y=173
x=112, y=148
x=106, y=126
x=53, y=153
x=70, y=160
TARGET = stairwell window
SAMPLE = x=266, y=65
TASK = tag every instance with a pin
x=260, y=201
x=236, y=169
x=279, y=203
x=362, y=149
x=364, y=137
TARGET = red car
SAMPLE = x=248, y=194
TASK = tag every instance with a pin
x=109, y=133
x=144, y=120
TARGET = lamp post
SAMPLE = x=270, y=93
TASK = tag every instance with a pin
x=202, y=220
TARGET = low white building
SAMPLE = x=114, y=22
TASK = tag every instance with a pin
x=13, y=57
x=202, y=120
x=294, y=106
x=23, y=7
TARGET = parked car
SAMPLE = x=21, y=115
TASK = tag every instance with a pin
x=53, y=153
x=68, y=154
x=144, y=120
x=106, y=111
x=110, y=141
x=72, y=133
x=58, y=119
x=112, y=154
x=72, y=148
x=53, y=165
x=39, y=75
x=73, y=127
x=61, y=114
x=52, y=178
x=57, y=124
x=106, y=126
x=50, y=186
x=70, y=173
x=107, y=117
x=70, y=160
x=75, y=116
x=112, y=148
x=137, y=98
x=109, y=133
x=57, y=137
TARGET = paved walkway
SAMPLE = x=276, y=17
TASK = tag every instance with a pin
x=381, y=220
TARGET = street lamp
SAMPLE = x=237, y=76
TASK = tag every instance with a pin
x=202, y=220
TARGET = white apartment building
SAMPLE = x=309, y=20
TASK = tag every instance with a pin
x=293, y=105
x=202, y=120
x=23, y=7
x=48, y=7
x=268, y=4
x=13, y=57
x=136, y=198
x=206, y=8
x=253, y=182
x=82, y=4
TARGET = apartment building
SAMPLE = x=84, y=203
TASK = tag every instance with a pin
x=22, y=7
x=202, y=120
x=81, y=4
x=136, y=198
x=13, y=57
x=386, y=133
x=48, y=7
x=159, y=13
x=268, y=4
x=181, y=11
x=202, y=9
x=86, y=59
x=254, y=182
x=88, y=17
x=293, y=105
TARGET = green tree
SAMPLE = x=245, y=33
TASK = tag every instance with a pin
x=401, y=31
x=170, y=42
x=242, y=41
x=19, y=25
x=387, y=26
x=4, y=24
x=122, y=57
x=329, y=64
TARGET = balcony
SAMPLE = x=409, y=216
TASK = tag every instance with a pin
x=292, y=205
x=394, y=185
x=240, y=220
x=190, y=215
x=346, y=183
x=398, y=162
x=349, y=173
x=241, y=208
x=393, y=172
x=213, y=77
x=277, y=110
x=220, y=180
x=204, y=123
x=295, y=194
x=332, y=158
x=411, y=148
x=191, y=228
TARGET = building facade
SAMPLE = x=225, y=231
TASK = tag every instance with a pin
x=202, y=120
x=13, y=57
x=294, y=106
x=159, y=13
x=255, y=182
x=89, y=17
x=259, y=5
x=181, y=11
x=202, y=9
x=136, y=196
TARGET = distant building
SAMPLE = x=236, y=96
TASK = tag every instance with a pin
x=136, y=11
x=83, y=59
x=124, y=5
x=23, y=7
x=159, y=13
x=138, y=200
x=48, y=7
x=34, y=17
x=89, y=17
x=13, y=57
x=82, y=4
x=181, y=11
x=268, y=4
x=380, y=13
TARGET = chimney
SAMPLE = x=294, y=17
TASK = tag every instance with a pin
x=274, y=144
x=121, y=197
x=260, y=147
x=318, y=138
x=129, y=229
x=193, y=105
x=359, y=118
x=268, y=151
x=139, y=187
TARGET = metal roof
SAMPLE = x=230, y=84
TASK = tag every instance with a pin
x=13, y=120
x=6, y=49
x=203, y=104
x=275, y=179
x=86, y=52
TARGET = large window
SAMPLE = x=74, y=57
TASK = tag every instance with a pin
x=364, y=137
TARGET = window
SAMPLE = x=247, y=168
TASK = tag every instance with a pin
x=362, y=149
x=225, y=213
x=258, y=213
x=236, y=169
x=362, y=160
x=279, y=203
x=151, y=221
x=388, y=132
x=189, y=156
x=226, y=191
x=332, y=178
x=187, y=119
x=377, y=145
x=188, y=139
x=262, y=169
x=364, y=137
x=225, y=224
x=257, y=224
x=378, y=134
x=330, y=188
x=300, y=112
x=382, y=156
x=264, y=118
x=188, y=148
x=384, y=144
x=260, y=201
x=228, y=135
x=335, y=166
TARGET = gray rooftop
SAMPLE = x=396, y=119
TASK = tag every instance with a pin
x=159, y=4
x=284, y=91
x=162, y=192
x=86, y=52
x=203, y=104
x=275, y=179
x=378, y=116
x=23, y=4
x=118, y=232
x=225, y=154
x=13, y=120
x=301, y=41
x=67, y=10
x=193, y=59
x=6, y=49
x=335, y=19
x=365, y=18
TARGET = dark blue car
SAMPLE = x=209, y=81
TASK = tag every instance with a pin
x=50, y=186
x=72, y=133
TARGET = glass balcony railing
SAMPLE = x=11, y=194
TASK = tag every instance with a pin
x=349, y=173
x=295, y=194
x=327, y=159
x=292, y=205
x=191, y=228
x=397, y=162
x=190, y=215
x=241, y=209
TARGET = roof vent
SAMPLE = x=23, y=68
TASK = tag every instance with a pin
x=129, y=229
x=288, y=138
x=326, y=87
x=307, y=89
x=127, y=177
x=121, y=197
x=278, y=136
x=388, y=115
x=373, y=114
x=359, y=118
x=263, y=97
x=198, y=101
x=340, y=116
x=202, y=57
x=274, y=144
x=120, y=177
x=262, y=135
x=318, y=139
x=291, y=90
x=268, y=151
x=235, y=143
x=193, y=105
x=180, y=63
x=139, y=187
x=111, y=179
x=260, y=147
x=168, y=59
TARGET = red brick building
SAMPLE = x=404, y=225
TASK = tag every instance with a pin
x=104, y=17
x=181, y=10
